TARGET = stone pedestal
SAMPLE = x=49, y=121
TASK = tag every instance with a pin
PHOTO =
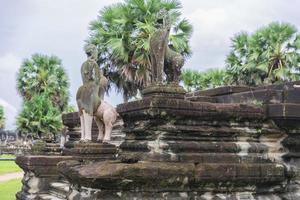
x=72, y=122
x=180, y=149
x=39, y=172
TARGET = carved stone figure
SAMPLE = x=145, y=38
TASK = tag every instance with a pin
x=158, y=46
x=163, y=58
x=90, y=97
x=105, y=117
x=174, y=61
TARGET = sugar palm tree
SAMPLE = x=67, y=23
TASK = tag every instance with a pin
x=42, y=74
x=43, y=84
x=269, y=55
x=122, y=34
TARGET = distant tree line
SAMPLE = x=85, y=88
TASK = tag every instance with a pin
x=269, y=55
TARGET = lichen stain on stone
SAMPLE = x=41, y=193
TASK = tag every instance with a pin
x=156, y=145
x=33, y=184
x=244, y=196
x=275, y=148
x=207, y=196
x=244, y=148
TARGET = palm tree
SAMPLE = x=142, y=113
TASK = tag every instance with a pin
x=42, y=74
x=2, y=118
x=122, y=34
x=194, y=80
x=43, y=84
x=269, y=55
x=39, y=117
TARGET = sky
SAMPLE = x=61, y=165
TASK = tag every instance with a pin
x=59, y=27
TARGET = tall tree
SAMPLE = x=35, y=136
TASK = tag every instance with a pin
x=269, y=55
x=122, y=33
x=2, y=118
x=42, y=74
x=195, y=80
x=43, y=84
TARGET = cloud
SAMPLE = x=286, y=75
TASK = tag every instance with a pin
x=9, y=64
x=215, y=22
x=60, y=27
x=10, y=113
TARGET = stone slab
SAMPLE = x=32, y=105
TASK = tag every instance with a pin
x=41, y=165
x=161, y=107
x=220, y=91
x=164, y=176
x=164, y=91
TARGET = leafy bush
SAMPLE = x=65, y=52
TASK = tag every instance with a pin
x=39, y=117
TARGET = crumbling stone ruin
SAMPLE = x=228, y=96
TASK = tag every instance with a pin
x=231, y=143
x=225, y=143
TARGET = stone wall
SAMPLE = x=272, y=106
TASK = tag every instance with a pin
x=227, y=143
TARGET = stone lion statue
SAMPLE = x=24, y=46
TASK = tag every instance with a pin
x=90, y=97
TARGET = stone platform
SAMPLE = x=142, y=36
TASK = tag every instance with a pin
x=72, y=122
x=180, y=149
x=39, y=172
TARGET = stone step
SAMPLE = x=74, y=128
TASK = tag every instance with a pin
x=196, y=147
x=60, y=187
x=49, y=197
x=57, y=194
x=200, y=158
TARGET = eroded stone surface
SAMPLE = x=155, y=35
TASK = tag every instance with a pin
x=195, y=148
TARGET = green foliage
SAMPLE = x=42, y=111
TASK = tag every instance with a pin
x=194, y=80
x=2, y=118
x=122, y=34
x=42, y=74
x=40, y=117
x=43, y=84
x=269, y=55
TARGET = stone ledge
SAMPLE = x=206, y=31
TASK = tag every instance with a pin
x=220, y=91
x=160, y=107
x=165, y=176
x=202, y=99
x=41, y=165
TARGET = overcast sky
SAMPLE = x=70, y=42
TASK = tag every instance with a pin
x=59, y=27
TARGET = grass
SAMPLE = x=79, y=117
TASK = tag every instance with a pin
x=9, y=189
x=8, y=166
x=7, y=156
